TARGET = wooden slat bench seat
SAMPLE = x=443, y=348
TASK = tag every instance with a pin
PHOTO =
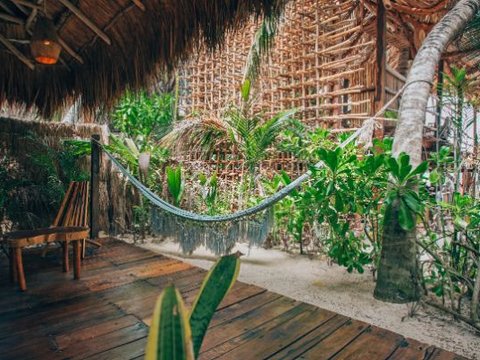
x=70, y=226
x=18, y=240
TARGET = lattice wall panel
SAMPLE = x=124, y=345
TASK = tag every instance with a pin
x=321, y=64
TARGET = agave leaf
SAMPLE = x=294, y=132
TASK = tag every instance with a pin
x=170, y=335
x=215, y=286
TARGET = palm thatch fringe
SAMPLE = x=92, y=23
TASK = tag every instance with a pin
x=143, y=45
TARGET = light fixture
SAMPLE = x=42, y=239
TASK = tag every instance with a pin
x=44, y=45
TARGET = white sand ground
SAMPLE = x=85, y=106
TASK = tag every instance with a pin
x=332, y=287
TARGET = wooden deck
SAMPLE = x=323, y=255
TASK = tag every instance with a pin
x=105, y=315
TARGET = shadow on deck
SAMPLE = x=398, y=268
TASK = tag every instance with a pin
x=105, y=315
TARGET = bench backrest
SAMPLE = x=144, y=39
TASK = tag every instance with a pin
x=75, y=206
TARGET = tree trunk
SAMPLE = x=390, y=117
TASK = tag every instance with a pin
x=397, y=279
x=397, y=271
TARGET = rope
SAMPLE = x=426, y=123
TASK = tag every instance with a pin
x=367, y=127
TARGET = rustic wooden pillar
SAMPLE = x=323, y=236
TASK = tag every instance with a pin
x=380, y=61
x=94, y=187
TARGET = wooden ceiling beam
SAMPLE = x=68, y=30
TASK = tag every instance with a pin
x=6, y=8
x=16, y=52
x=70, y=51
x=139, y=4
x=20, y=7
x=12, y=19
x=28, y=4
x=62, y=42
x=78, y=13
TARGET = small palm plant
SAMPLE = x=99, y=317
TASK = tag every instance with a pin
x=175, y=332
x=175, y=184
x=240, y=126
x=250, y=133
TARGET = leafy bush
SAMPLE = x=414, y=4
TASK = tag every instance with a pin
x=144, y=117
x=30, y=194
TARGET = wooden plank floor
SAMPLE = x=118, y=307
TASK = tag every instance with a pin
x=106, y=314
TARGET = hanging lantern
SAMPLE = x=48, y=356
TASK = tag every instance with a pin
x=44, y=44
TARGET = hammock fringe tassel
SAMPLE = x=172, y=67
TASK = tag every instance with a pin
x=219, y=238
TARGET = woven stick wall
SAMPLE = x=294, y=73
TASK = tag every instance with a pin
x=322, y=63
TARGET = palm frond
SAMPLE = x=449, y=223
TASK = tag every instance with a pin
x=199, y=134
x=262, y=43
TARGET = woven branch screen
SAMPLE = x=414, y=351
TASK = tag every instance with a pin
x=322, y=63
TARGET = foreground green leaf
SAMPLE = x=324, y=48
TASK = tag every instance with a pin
x=169, y=337
x=215, y=286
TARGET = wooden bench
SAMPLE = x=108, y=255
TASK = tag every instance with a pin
x=69, y=227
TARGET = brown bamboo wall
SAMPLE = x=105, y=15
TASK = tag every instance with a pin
x=322, y=63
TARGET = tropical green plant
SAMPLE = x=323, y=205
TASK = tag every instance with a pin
x=262, y=43
x=403, y=191
x=33, y=184
x=176, y=333
x=247, y=130
x=209, y=191
x=456, y=88
x=252, y=136
x=347, y=192
x=175, y=184
x=144, y=117
x=129, y=152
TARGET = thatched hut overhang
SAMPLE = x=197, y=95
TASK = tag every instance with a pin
x=107, y=46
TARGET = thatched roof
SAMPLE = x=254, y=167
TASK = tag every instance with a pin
x=108, y=46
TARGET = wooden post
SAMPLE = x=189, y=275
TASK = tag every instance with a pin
x=380, y=61
x=94, y=187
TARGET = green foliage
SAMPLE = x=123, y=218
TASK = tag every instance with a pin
x=175, y=184
x=128, y=153
x=216, y=285
x=347, y=193
x=144, y=117
x=32, y=184
x=209, y=192
x=174, y=334
x=252, y=135
x=170, y=335
x=262, y=44
x=403, y=190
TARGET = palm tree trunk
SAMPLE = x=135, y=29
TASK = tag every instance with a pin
x=397, y=273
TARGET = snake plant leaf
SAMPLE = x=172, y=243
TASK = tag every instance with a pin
x=215, y=286
x=170, y=337
x=175, y=184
